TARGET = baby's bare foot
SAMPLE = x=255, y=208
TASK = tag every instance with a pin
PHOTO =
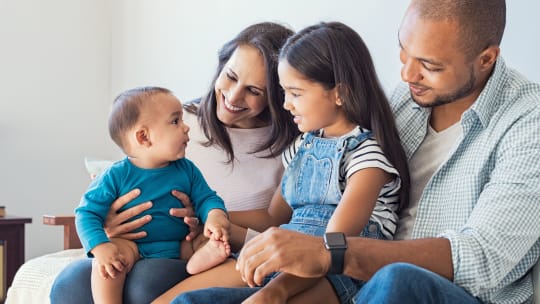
x=211, y=254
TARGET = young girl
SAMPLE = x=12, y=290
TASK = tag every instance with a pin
x=347, y=173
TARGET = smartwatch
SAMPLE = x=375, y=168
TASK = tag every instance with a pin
x=336, y=243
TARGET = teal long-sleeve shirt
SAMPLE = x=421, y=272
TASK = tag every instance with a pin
x=164, y=232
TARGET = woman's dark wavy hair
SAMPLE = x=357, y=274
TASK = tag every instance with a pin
x=332, y=54
x=268, y=38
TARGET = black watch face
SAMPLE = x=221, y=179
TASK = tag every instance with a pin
x=335, y=240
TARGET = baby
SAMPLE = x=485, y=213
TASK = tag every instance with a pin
x=146, y=123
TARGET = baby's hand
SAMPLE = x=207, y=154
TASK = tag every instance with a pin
x=217, y=225
x=109, y=260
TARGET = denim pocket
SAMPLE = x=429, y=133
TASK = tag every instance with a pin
x=313, y=180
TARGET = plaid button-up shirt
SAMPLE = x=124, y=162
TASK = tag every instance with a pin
x=485, y=198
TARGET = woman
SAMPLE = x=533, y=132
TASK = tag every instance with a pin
x=242, y=126
x=346, y=175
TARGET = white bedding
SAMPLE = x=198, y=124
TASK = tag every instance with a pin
x=32, y=282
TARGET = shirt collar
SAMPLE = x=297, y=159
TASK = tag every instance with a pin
x=353, y=133
x=489, y=100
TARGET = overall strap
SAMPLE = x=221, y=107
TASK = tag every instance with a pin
x=354, y=141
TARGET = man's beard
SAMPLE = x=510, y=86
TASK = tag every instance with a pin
x=440, y=100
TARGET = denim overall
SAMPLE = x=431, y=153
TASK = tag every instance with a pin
x=310, y=185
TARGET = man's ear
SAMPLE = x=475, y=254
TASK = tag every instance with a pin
x=142, y=135
x=488, y=57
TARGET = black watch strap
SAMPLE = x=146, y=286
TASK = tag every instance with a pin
x=338, y=257
x=336, y=243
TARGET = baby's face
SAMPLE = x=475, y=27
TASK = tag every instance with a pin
x=168, y=134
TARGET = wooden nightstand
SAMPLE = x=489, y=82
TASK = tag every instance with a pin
x=12, y=236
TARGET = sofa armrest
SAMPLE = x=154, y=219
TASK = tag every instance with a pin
x=71, y=239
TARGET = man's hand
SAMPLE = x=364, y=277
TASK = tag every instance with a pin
x=282, y=250
x=119, y=224
x=187, y=213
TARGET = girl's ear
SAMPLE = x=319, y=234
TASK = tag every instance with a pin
x=142, y=135
x=337, y=96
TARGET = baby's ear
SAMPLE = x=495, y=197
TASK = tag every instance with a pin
x=143, y=137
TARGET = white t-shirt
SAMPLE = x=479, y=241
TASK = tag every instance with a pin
x=427, y=159
x=246, y=184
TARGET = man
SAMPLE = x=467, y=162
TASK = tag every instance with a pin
x=471, y=128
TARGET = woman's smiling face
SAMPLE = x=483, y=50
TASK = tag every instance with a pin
x=241, y=89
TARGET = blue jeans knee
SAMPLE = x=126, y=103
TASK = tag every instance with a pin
x=406, y=283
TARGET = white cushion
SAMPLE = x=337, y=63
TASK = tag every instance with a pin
x=32, y=282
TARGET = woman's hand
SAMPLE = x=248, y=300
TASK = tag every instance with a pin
x=120, y=224
x=188, y=214
x=282, y=250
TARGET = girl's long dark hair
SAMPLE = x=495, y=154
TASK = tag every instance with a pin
x=268, y=38
x=333, y=54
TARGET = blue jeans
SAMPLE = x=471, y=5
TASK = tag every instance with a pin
x=215, y=295
x=396, y=283
x=148, y=279
x=405, y=283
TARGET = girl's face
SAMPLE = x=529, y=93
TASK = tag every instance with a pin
x=312, y=106
x=241, y=89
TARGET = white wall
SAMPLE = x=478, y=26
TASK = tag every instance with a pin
x=174, y=43
x=61, y=64
x=55, y=87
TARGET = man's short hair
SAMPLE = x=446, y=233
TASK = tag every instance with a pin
x=481, y=22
